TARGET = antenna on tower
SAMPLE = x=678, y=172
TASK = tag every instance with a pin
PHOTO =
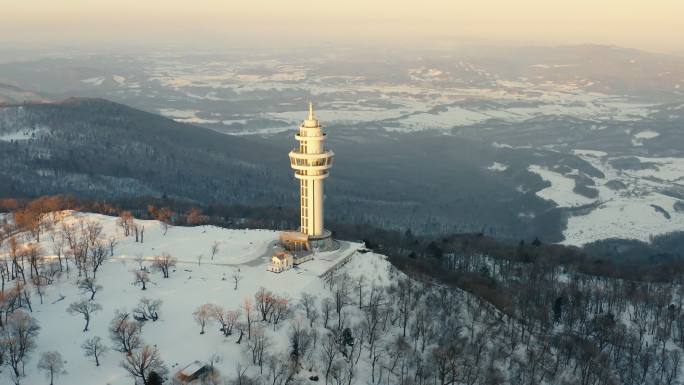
x=311, y=113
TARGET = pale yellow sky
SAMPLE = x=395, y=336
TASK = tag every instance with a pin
x=656, y=25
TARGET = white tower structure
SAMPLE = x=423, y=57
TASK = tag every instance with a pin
x=311, y=162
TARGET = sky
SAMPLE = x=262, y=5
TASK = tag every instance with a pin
x=655, y=25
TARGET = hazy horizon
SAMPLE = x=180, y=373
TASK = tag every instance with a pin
x=109, y=23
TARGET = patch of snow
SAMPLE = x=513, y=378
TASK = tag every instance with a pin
x=96, y=81
x=452, y=117
x=560, y=191
x=625, y=217
x=120, y=80
x=501, y=145
x=648, y=134
x=668, y=169
x=186, y=116
x=638, y=139
x=591, y=153
x=496, y=166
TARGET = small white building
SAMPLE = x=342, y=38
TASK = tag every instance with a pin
x=280, y=261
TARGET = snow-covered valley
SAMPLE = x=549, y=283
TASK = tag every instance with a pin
x=637, y=201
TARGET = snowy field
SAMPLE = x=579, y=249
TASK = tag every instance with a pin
x=196, y=280
x=644, y=207
x=416, y=108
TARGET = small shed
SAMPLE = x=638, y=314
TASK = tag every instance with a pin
x=192, y=372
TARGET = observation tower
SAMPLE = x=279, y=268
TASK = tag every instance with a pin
x=311, y=163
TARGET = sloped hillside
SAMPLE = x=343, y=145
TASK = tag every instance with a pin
x=363, y=322
x=98, y=148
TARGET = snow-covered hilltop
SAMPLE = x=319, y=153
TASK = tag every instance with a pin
x=210, y=266
x=84, y=303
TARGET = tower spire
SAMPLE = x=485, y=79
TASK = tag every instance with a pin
x=311, y=112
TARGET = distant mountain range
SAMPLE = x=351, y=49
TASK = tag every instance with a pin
x=598, y=68
x=12, y=94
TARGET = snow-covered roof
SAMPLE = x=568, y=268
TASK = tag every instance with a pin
x=192, y=368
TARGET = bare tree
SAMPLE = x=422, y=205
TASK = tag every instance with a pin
x=327, y=305
x=98, y=255
x=165, y=216
x=140, y=363
x=236, y=278
x=341, y=298
x=17, y=259
x=308, y=303
x=52, y=363
x=93, y=231
x=68, y=235
x=360, y=283
x=300, y=341
x=140, y=261
x=164, y=263
x=264, y=302
x=136, y=231
x=147, y=309
x=84, y=307
x=202, y=314
x=242, y=378
x=94, y=348
x=89, y=285
x=329, y=353
x=142, y=278
x=214, y=375
x=124, y=332
x=18, y=340
x=51, y=270
x=257, y=345
x=39, y=281
x=112, y=241
x=126, y=222
x=280, y=370
x=281, y=309
x=250, y=317
x=214, y=249
x=58, y=245
x=226, y=318
x=407, y=301
x=34, y=255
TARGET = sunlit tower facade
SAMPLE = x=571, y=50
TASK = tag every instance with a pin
x=311, y=162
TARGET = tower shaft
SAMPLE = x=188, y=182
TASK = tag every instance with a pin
x=311, y=162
